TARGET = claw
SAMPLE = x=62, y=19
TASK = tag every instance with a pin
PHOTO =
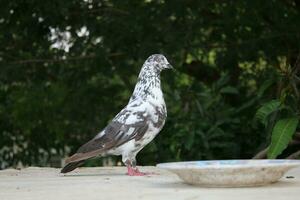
x=135, y=172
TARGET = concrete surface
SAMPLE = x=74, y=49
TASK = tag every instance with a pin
x=109, y=183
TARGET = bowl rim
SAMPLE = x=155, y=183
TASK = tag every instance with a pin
x=229, y=164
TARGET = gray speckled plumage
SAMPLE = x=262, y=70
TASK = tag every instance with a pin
x=135, y=125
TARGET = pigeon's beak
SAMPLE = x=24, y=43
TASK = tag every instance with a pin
x=169, y=66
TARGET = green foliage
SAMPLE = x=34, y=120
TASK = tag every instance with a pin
x=266, y=109
x=281, y=135
x=271, y=113
x=67, y=67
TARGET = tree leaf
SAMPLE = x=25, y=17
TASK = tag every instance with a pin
x=266, y=109
x=264, y=86
x=229, y=90
x=281, y=135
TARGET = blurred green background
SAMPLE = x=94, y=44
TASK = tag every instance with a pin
x=67, y=67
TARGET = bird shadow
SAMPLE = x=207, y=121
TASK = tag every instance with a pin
x=92, y=174
x=175, y=185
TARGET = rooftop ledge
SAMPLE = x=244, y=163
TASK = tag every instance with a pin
x=109, y=183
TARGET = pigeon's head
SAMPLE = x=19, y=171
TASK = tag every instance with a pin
x=159, y=61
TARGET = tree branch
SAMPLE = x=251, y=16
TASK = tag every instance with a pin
x=263, y=154
x=294, y=155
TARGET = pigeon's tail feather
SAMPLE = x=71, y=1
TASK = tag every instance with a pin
x=71, y=166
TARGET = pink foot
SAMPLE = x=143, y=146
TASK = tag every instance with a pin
x=135, y=172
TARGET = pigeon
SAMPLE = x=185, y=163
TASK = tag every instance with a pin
x=134, y=126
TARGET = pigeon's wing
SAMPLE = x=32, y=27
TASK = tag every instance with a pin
x=115, y=134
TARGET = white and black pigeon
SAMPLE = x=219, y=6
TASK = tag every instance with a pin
x=135, y=126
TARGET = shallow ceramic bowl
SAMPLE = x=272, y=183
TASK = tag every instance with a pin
x=230, y=173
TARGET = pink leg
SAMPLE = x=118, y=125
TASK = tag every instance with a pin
x=135, y=172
